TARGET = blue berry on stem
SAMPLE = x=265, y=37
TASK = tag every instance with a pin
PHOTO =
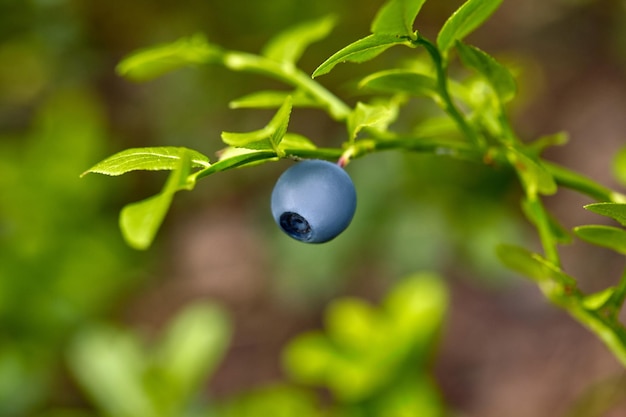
x=314, y=201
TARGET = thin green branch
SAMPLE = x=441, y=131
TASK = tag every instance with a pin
x=442, y=86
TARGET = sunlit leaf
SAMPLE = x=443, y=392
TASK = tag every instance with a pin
x=598, y=299
x=396, y=17
x=289, y=45
x=307, y=357
x=353, y=323
x=150, y=159
x=152, y=62
x=362, y=50
x=616, y=211
x=400, y=81
x=605, y=236
x=140, y=221
x=463, y=21
x=496, y=74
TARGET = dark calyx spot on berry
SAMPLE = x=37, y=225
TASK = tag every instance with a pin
x=295, y=225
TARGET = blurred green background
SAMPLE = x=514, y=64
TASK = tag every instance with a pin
x=82, y=316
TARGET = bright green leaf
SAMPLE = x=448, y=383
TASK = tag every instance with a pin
x=396, y=17
x=533, y=175
x=619, y=166
x=192, y=346
x=598, y=299
x=555, y=139
x=365, y=115
x=140, y=221
x=362, y=50
x=616, y=211
x=496, y=74
x=152, y=62
x=462, y=22
x=273, y=99
x=150, y=159
x=289, y=45
x=400, y=81
x=605, y=236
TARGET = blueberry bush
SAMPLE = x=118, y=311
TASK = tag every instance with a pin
x=479, y=131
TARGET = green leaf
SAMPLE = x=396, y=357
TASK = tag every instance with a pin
x=289, y=45
x=353, y=324
x=605, y=236
x=555, y=139
x=532, y=265
x=150, y=159
x=400, y=81
x=533, y=175
x=152, y=62
x=365, y=115
x=362, y=50
x=462, y=22
x=598, y=299
x=140, y=221
x=192, y=347
x=616, y=211
x=267, y=138
x=307, y=357
x=619, y=166
x=496, y=74
x=396, y=17
x=273, y=99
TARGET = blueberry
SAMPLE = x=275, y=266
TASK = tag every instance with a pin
x=314, y=201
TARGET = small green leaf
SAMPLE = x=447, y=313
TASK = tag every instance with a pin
x=307, y=357
x=267, y=138
x=152, y=62
x=353, y=324
x=396, y=17
x=150, y=159
x=616, y=211
x=400, y=81
x=365, y=115
x=462, y=22
x=273, y=99
x=496, y=74
x=598, y=299
x=192, y=347
x=555, y=139
x=605, y=236
x=619, y=166
x=532, y=265
x=289, y=45
x=140, y=221
x=362, y=50
x=533, y=175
